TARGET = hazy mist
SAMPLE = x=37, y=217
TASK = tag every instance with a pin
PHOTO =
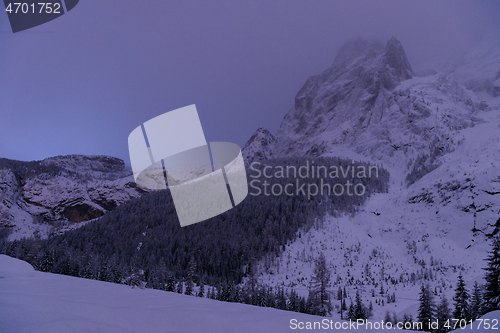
x=81, y=83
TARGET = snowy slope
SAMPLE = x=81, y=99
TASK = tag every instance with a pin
x=49, y=303
x=439, y=137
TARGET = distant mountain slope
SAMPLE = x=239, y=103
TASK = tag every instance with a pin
x=438, y=135
x=38, y=197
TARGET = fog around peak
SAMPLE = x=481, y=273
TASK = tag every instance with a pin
x=80, y=84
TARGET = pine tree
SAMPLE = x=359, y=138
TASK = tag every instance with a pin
x=443, y=315
x=426, y=308
x=387, y=317
x=476, y=302
x=339, y=294
x=461, y=300
x=236, y=297
x=491, y=297
x=190, y=276
x=318, y=293
x=261, y=296
x=179, y=287
x=170, y=283
x=281, y=299
x=359, y=308
x=302, y=305
x=270, y=298
x=214, y=293
x=350, y=313
x=201, y=291
x=189, y=287
x=252, y=282
x=293, y=302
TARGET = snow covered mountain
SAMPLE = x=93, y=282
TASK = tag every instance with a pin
x=41, y=197
x=260, y=146
x=438, y=135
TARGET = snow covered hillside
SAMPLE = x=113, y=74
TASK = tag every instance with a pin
x=439, y=137
x=39, y=302
x=40, y=197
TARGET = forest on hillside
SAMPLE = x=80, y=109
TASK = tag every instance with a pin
x=143, y=241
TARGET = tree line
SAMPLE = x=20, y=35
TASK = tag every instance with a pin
x=467, y=305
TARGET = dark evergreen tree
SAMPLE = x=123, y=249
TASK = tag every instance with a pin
x=491, y=297
x=293, y=303
x=461, y=300
x=359, y=309
x=426, y=309
x=443, y=315
x=270, y=298
x=189, y=288
x=262, y=296
x=170, y=283
x=180, y=287
x=350, y=313
x=201, y=291
x=236, y=294
x=281, y=299
x=387, y=317
x=476, y=302
x=303, y=305
x=190, y=276
x=318, y=291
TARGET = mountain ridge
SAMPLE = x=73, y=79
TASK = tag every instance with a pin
x=43, y=197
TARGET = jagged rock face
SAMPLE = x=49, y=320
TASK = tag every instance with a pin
x=369, y=101
x=259, y=147
x=72, y=188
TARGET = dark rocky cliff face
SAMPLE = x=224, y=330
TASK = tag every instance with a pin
x=398, y=64
x=62, y=189
x=259, y=147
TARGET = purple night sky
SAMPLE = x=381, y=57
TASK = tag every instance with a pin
x=81, y=83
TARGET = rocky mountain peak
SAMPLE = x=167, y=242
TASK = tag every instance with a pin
x=395, y=58
x=371, y=103
x=259, y=147
x=358, y=50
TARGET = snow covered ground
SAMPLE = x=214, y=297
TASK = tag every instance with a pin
x=427, y=226
x=36, y=302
